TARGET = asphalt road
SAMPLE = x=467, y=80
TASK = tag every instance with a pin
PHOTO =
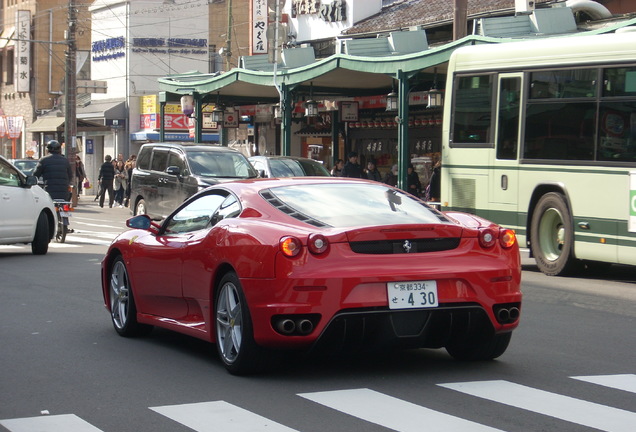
x=570, y=366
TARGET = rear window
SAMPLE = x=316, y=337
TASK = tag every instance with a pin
x=313, y=168
x=220, y=164
x=349, y=205
x=285, y=168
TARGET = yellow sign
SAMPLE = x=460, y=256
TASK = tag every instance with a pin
x=149, y=104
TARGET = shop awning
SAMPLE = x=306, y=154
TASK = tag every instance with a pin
x=56, y=124
x=108, y=108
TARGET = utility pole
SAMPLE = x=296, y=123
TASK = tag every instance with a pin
x=70, y=94
x=228, y=39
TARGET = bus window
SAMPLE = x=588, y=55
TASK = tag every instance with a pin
x=619, y=82
x=508, y=117
x=569, y=83
x=617, y=132
x=562, y=131
x=472, y=114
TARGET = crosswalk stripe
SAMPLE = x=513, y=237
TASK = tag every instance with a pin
x=551, y=404
x=392, y=413
x=625, y=382
x=219, y=416
x=54, y=423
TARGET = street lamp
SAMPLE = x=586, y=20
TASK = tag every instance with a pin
x=311, y=106
x=392, y=101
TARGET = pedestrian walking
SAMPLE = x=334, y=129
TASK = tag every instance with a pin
x=120, y=183
x=105, y=178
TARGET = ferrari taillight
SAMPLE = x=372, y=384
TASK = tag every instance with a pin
x=507, y=237
x=290, y=246
x=487, y=238
x=317, y=244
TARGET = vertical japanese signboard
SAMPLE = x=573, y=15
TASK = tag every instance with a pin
x=259, y=26
x=632, y=201
x=23, y=51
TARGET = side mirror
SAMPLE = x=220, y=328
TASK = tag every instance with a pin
x=261, y=173
x=31, y=181
x=139, y=222
x=174, y=170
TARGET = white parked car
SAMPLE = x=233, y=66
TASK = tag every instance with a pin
x=27, y=212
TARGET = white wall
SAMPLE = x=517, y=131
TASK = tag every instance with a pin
x=312, y=27
x=140, y=64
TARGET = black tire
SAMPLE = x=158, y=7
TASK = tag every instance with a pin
x=123, y=311
x=233, y=326
x=62, y=230
x=140, y=208
x=40, y=243
x=485, y=347
x=552, y=235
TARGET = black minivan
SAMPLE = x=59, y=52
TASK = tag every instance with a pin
x=167, y=174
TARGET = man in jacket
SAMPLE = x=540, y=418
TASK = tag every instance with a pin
x=352, y=168
x=105, y=177
x=55, y=171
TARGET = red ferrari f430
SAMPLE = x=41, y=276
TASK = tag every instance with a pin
x=257, y=266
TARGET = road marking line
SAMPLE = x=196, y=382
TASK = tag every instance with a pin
x=625, y=382
x=551, y=404
x=56, y=423
x=219, y=416
x=392, y=413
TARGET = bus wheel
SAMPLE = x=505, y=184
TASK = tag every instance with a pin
x=552, y=235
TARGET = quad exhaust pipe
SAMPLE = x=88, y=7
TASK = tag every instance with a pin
x=285, y=326
x=293, y=327
x=507, y=315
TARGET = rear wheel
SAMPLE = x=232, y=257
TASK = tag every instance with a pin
x=62, y=230
x=140, y=208
x=234, y=338
x=40, y=243
x=552, y=235
x=486, y=347
x=123, y=311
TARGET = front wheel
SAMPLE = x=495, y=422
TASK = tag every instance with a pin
x=40, y=244
x=552, y=235
x=234, y=338
x=123, y=311
x=140, y=208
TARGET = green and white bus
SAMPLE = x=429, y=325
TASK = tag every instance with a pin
x=540, y=136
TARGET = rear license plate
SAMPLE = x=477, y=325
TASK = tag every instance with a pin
x=412, y=294
x=65, y=214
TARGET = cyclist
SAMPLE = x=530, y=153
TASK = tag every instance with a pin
x=55, y=171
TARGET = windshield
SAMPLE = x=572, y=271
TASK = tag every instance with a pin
x=220, y=164
x=349, y=205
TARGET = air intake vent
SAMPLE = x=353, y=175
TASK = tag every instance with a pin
x=463, y=194
x=405, y=246
x=273, y=200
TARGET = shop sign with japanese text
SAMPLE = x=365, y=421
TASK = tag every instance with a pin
x=23, y=51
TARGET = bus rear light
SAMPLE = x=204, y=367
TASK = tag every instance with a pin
x=317, y=244
x=487, y=238
x=290, y=246
x=507, y=238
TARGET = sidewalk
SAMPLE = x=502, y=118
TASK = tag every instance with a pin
x=87, y=203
